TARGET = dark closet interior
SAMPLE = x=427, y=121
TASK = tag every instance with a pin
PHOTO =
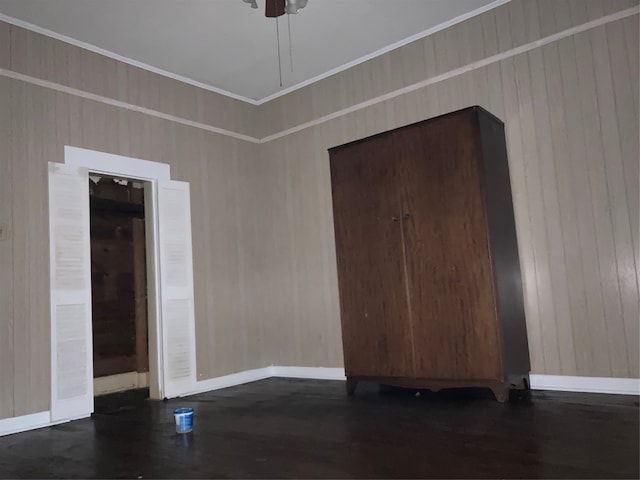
x=118, y=276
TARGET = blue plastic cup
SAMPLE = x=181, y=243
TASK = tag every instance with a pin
x=184, y=419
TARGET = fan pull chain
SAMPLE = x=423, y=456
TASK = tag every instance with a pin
x=279, y=58
x=290, y=44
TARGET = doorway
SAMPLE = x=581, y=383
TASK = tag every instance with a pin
x=169, y=278
x=118, y=286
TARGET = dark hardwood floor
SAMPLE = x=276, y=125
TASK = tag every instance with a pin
x=307, y=428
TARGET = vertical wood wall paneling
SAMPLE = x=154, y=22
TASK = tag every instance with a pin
x=568, y=228
x=633, y=44
x=205, y=302
x=295, y=204
x=22, y=370
x=6, y=253
x=259, y=189
x=590, y=188
x=597, y=244
x=5, y=45
x=42, y=146
x=617, y=195
x=230, y=341
x=250, y=330
x=551, y=348
x=627, y=121
x=492, y=72
x=616, y=5
x=550, y=194
x=279, y=271
x=253, y=196
x=631, y=26
x=316, y=288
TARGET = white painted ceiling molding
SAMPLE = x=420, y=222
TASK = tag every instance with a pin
x=246, y=70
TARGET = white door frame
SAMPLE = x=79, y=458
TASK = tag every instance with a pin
x=151, y=173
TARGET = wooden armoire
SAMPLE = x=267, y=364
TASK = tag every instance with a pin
x=428, y=269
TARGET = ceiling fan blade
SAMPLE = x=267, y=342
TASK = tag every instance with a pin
x=274, y=8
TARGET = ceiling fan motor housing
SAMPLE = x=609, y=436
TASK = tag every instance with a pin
x=276, y=8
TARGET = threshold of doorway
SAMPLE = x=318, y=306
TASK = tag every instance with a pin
x=116, y=403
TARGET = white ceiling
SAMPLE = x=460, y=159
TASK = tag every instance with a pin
x=227, y=46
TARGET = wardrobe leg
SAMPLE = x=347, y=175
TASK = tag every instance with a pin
x=501, y=392
x=351, y=386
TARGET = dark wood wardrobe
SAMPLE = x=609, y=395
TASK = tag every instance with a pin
x=428, y=269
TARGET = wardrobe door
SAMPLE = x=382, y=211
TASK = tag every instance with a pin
x=373, y=304
x=448, y=264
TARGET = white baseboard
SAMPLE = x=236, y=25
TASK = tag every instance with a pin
x=319, y=373
x=24, y=423
x=565, y=383
x=231, y=380
x=32, y=421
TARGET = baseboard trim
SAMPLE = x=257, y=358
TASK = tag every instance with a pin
x=231, y=380
x=226, y=381
x=24, y=423
x=566, y=383
x=33, y=421
x=318, y=373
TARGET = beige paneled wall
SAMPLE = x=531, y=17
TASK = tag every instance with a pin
x=571, y=112
x=5, y=45
x=517, y=23
x=35, y=124
x=6, y=256
x=52, y=60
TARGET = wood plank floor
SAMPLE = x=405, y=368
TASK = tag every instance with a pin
x=310, y=429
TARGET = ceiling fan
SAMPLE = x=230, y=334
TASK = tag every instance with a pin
x=275, y=9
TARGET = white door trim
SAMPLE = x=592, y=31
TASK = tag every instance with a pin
x=151, y=172
x=110, y=164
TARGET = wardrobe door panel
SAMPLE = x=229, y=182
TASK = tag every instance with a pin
x=373, y=304
x=450, y=281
